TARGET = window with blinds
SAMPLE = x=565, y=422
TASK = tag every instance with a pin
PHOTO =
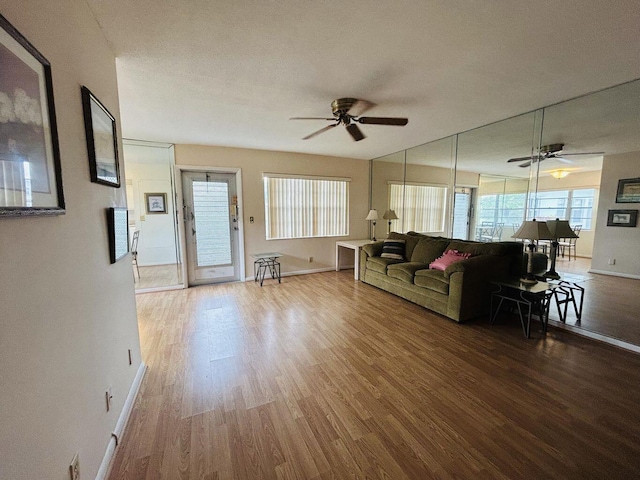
x=304, y=207
x=421, y=208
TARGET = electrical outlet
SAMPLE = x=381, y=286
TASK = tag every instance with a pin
x=109, y=397
x=250, y=219
x=612, y=261
x=74, y=468
x=310, y=259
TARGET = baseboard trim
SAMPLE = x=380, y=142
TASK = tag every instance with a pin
x=297, y=272
x=615, y=274
x=105, y=466
x=595, y=336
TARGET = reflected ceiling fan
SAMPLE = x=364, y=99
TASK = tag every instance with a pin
x=554, y=151
x=341, y=116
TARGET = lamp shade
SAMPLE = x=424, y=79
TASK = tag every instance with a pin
x=533, y=230
x=560, y=229
x=390, y=215
x=373, y=215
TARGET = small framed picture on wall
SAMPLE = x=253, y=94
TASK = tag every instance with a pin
x=155, y=202
x=622, y=218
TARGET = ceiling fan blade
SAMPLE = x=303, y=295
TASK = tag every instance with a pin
x=322, y=130
x=582, y=153
x=312, y=118
x=519, y=159
x=525, y=164
x=355, y=132
x=383, y=121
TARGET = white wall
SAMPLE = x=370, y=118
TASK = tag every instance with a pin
x=256, y=162
x=67, y=316
x=621, y=243
x=149, y=169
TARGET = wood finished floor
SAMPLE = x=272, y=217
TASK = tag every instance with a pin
x=323, y=377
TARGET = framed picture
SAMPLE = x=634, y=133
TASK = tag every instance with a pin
x=628, y=191
x=102, y=141
x=622, y=218
x=30, y=173
x=156, y=202
x=118, y=230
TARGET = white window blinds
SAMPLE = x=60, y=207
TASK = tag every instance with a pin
x=421, y=208
x=303, y=207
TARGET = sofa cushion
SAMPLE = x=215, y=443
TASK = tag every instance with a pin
x=379, y=264
x=410, y=242
x=393, y=248
x=428, y=249
x=433, y=280
x=405, y=271
x=478, y=248
x=449, y=258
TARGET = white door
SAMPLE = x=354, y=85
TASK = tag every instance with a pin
x=211, y=227
x=462, y=213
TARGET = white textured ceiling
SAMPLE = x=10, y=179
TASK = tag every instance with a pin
x=233, y=72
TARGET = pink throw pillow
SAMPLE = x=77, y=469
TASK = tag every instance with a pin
x=449, y=257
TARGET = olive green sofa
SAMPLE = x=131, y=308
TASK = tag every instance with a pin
x=461, y=292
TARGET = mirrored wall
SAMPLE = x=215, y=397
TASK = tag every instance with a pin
x=483, y=183
x=153, y=234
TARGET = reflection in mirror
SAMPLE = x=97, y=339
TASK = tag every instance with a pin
x=149, y=169
x=386, y=171
x=491, y=190
x=429, y=188
x=599, y=135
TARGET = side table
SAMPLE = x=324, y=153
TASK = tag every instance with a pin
x=354, y=245
x=264, y=262
x=535, y=298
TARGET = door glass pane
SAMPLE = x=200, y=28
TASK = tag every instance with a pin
x=213, y=232
x=461, y=215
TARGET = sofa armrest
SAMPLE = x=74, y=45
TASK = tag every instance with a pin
x=373, y=249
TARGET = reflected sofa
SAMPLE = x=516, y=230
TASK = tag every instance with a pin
x=461, y=292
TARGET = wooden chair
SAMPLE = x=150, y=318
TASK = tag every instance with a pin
x=569, y=243
x=134, y=253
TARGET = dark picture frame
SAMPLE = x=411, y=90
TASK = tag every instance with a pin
x=30, y=173
x=622, y=218
x=102, y=141
x=628, y=190
x=155, y=203
x=118, y=230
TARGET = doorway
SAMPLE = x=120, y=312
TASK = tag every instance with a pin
x=462, y=214
x=212, y=223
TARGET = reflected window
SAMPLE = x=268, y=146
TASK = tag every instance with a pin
x=503, y=208
x=422, y=207
x=574, y=205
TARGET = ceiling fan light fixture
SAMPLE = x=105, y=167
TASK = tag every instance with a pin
x=558, y=174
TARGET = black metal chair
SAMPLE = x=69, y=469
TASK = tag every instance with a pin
x=134, y=252
x=569, y=243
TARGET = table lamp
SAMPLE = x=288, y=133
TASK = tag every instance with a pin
x=373, y=215
x=532, y=230
x=559, y=229
x=390, y=215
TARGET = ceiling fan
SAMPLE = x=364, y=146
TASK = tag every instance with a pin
x=341, y=116
x=554, y=151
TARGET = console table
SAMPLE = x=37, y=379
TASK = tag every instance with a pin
x=354, y=245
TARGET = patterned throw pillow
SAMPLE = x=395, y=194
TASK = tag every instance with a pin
x=449, y=257
x=393, y=249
